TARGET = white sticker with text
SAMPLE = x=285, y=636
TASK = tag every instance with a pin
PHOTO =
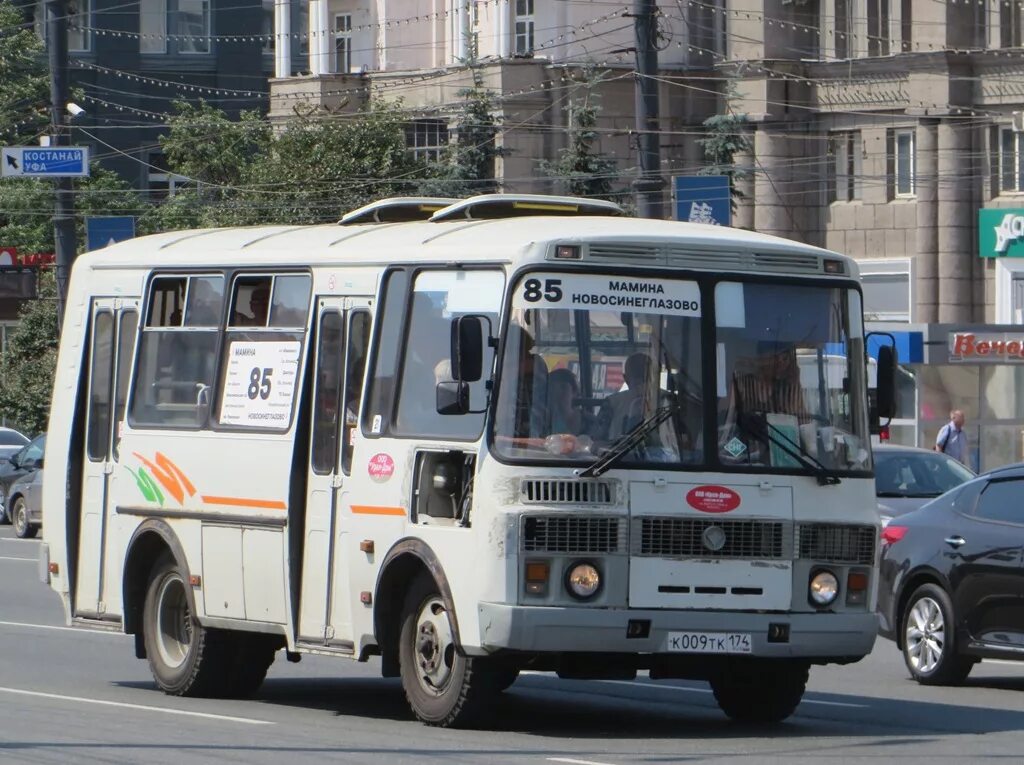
x=611, y=293
x=260, y=384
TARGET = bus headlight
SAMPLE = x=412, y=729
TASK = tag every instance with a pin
x=823, y=589
x=583, y=581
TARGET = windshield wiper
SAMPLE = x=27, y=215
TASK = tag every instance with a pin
x=770, y=433
x=627, y=441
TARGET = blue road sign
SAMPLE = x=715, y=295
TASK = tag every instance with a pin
x=45, y=161
x=103, y=231
x=703, y=199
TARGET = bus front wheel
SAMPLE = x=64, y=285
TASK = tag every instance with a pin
x=760, y=690
x=182, y=653
x=443, y=686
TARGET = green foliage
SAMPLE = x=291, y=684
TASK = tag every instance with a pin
x=468, y=165
x=583, y=172
x=30, y=360
x=26, y=207
x=24, y=84
x=726, y=135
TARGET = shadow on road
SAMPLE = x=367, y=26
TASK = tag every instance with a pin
x=546, y=706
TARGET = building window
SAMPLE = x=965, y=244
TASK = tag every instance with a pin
x=267, y=30
x=160, y=181
x=906, y=25
x=187, y=20
x=901, y=163
x=79, y=21
x=843, y=38
x=343, y=42
x=886, y=285
x=1010, y=23
x=1011, y=160
x=427, y=139
x=878, y=27
x=524, y=27
x=79, y=24
x=847, y=160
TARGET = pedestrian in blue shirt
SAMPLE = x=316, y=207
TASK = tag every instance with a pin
x=952, y=438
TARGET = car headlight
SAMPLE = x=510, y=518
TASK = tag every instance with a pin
x=824, y=588
x=583, y=581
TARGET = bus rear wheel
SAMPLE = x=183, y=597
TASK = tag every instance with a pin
x=760, y=690
x=443, y=686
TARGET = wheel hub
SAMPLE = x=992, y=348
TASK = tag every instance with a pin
x=434, y=647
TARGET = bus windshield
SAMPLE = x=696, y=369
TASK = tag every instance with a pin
x=598, y=363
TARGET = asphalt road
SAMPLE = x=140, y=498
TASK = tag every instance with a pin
x=72, y=696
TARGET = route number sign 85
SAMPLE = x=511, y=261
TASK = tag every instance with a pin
x=550, y=290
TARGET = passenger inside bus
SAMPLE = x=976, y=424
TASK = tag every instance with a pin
x=564, y=411
x=259, y=302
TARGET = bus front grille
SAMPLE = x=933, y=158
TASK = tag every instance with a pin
x=700, y=538
x=835, y=543
x=575, y=492
x=573, y=534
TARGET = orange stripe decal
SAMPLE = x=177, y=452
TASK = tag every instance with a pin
x=268, y=504
x=377, y=510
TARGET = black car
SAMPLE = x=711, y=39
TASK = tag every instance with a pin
x=952, y=578
x=24, y=461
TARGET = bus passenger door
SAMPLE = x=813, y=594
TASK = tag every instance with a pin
x=114, y=322
x=343, y=331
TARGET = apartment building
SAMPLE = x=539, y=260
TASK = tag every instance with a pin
x=530, y=55
x=131, y=61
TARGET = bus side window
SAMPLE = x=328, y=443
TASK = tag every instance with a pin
x=355, y=368
x=177, y=353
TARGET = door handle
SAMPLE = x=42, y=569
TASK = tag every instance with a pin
x=955, y=540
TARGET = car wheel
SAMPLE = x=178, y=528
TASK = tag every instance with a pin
x=19, y=517
x=929, y=639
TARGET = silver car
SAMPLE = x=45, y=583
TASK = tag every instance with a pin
x=26, y=506
x=10, y=442
x=907, y=477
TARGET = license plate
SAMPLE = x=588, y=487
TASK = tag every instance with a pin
x=708, y=642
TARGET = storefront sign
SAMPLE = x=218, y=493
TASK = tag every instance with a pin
x=986, y=347
x=1001, y=233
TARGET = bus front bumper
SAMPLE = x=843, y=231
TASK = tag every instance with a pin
x=815, y=636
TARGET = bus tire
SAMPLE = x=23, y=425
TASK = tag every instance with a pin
x=444, y=687
x=760, y=691
x=186, y=659
x=248, y=656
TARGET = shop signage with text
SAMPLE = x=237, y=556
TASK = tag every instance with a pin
x=1001, y=233
x=986, y=347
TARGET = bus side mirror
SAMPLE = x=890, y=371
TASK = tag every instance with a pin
x=453, y=397
x=467, y=349
x=885, y=397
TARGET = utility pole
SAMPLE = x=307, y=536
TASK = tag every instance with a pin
x=64, y=207
x=649, y=183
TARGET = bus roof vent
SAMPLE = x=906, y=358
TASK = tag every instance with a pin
x=632, y=253
x=492, y=206
x=790, y=261
x=717, y=259
x=397, y=210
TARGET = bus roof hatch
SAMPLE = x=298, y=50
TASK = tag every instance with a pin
x=397, y=210
x=491, y=206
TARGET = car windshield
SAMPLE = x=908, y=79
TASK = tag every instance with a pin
x=601, y=366
x=10, y=437
x=917, y=474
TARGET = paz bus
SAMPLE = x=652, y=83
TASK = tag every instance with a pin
x=471, y=437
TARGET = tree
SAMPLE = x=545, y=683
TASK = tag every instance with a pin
x=582, y=171
x=24, y=84
x=468, y=164
x=726, y=135
x=29, y=362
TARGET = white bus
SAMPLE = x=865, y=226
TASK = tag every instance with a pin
x=471, y=438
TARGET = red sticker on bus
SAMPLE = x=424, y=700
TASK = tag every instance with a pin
x=381, y=467
x=713, y=499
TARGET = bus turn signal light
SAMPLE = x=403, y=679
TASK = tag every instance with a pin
x=856, y=588
x=537, y=572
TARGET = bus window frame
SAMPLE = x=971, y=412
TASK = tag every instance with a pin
x=412, y=272
x=217, y=389
x=706, y=282
x=144, y=315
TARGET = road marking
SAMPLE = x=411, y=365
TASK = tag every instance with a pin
x=80, y=630
x=575, y=762
x=138, y=707
x=6, y=557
